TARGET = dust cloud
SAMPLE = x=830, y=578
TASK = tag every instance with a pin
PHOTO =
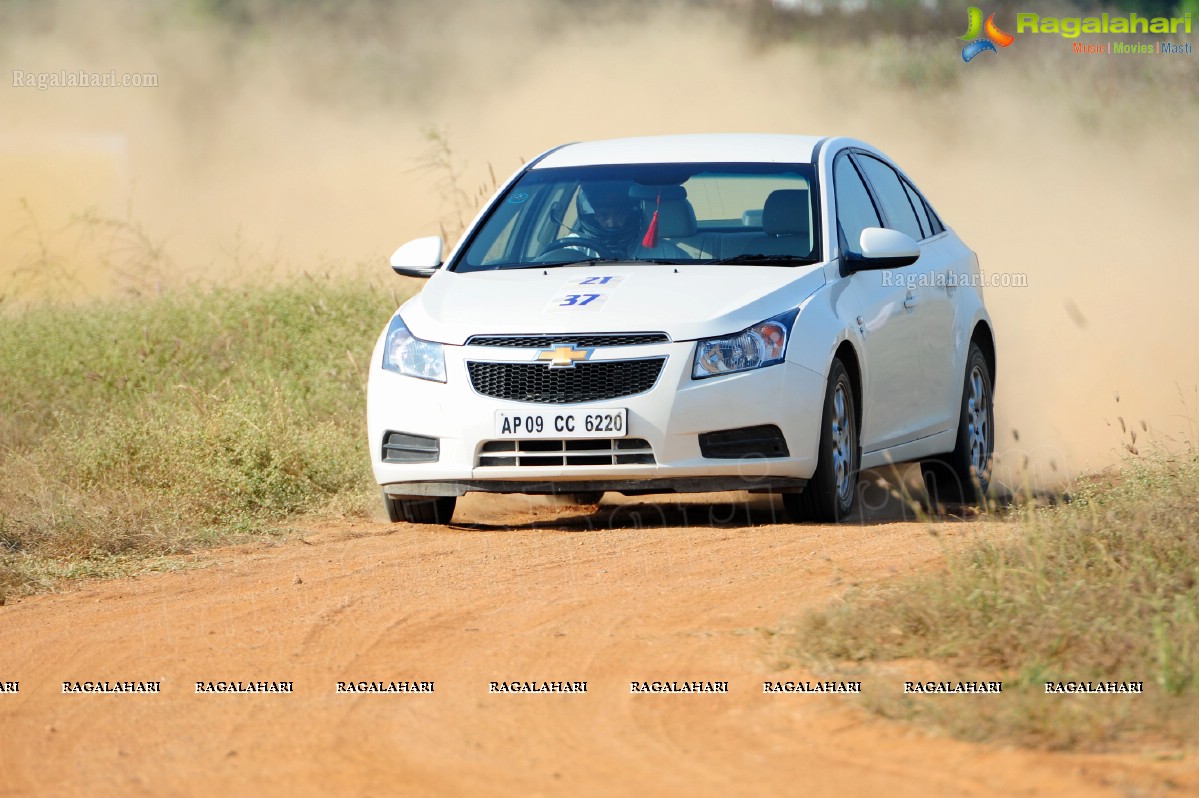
x=304, y=144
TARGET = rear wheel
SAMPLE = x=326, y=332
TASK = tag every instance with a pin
x=963, y=475
x=829, y=494
x=420, y=509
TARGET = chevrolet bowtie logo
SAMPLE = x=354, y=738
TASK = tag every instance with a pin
x=564, y=356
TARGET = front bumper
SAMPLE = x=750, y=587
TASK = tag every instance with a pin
x=669, y=418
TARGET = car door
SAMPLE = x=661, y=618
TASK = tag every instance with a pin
x=953, y=284
x=889, y=333
x=929, y=299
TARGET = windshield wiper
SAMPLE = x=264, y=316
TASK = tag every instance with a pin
x=559, y=263
x=588, y=261
x=760, y=258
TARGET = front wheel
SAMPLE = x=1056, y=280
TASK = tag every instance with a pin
x=962, y=476
x=829, y=494
x=420, y=509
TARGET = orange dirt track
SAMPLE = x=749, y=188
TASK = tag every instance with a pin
x=513, y=591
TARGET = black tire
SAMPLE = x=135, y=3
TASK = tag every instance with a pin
x=830, y=493
x=962, y=476
x=420, y=509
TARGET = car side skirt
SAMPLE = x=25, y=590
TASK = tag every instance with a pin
x=930, y=446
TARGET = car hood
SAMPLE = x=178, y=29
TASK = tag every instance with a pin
x=686, y=302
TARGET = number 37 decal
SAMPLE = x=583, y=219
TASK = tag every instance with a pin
x=578, y=299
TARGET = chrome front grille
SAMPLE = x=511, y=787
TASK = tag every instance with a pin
x=585, y=340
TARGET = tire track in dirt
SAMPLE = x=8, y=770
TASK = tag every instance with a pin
x=557, y=594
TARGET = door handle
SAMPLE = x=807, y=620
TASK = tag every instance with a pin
x=951, y=282
x=909, y=302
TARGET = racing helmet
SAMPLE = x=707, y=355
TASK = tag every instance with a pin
x=608, y=214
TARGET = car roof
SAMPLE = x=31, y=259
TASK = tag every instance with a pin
x=692, y=148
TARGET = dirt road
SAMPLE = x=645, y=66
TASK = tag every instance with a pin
x=631, y=593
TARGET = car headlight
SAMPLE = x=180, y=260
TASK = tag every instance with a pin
x=763, y=344
x=404, y=353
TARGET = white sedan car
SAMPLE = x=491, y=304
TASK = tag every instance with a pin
x=769, y=313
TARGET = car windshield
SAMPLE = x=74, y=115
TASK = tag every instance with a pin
x=687, y=213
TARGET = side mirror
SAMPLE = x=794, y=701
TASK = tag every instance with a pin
x=420, y=257
x=883, y=249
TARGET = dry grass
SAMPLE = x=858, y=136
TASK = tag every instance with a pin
x=1105, y=587
x=136, y=429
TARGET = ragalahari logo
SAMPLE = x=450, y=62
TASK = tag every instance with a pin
x=992, y=35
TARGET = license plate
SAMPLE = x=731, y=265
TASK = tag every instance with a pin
x=606, y=422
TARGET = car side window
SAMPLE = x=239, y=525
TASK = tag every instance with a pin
x=921, y=211
x=933, y=219
x=894, y=198
x=855, y=209
x=925, y=211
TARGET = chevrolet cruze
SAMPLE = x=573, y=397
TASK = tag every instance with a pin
x=770, y=313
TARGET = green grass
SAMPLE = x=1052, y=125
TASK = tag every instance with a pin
x=1103, y=588
x=136, y=429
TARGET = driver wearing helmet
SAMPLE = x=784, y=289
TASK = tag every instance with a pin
x=609, y=217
